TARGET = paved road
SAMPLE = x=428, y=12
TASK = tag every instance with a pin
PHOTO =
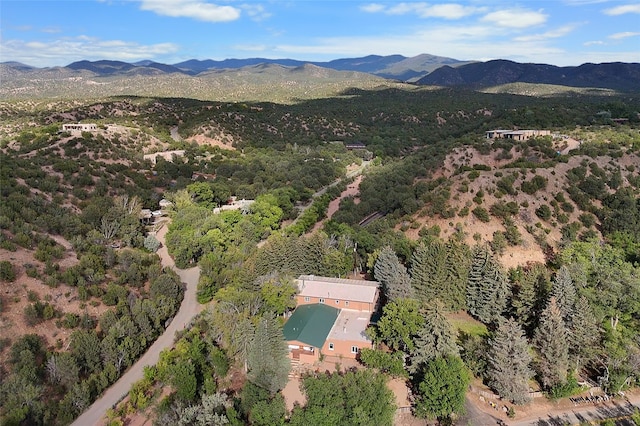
x=476, y=417
x=188, y=309
x=586, y=413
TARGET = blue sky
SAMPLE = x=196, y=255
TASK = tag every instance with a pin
x=560, y=32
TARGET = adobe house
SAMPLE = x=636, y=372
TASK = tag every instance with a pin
x=167, y=155
x=517, y=135
x=331, y=317
x=80, y=127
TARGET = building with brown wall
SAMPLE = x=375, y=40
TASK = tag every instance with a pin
x=516, y=135
x=331, y=318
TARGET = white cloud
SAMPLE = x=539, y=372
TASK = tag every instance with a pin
x=618, y=36
x=372, y=8
x=621, y=10
x=515, y=18
x=464, y=42
x=64, y=51
x=425, y=10
x=251, y=47
x=256, y=12
x=196, y=9
x=557, y=33
x=583, y=2
x=594, y=43
x=449, y=11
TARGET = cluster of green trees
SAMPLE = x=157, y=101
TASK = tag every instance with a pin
x=76, y=190
x=579, y=319
x=45, y=386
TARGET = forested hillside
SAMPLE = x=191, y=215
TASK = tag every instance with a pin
x=449, y=212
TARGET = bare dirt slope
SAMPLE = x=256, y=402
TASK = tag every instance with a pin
x=464, y=189
x=27, y=289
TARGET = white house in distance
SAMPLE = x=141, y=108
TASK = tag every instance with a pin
x=167, y=155
x=516, y=135
x=80, y=127
x=331, y=317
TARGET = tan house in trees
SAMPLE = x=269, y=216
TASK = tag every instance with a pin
x=516, y=135
x=331, y=317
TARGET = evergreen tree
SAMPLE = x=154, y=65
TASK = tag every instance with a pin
x=437, y=338
x=428, y=269
x=551, y=342
x=440, y=270
x=584, y=334
x=267, y=358
x=487, y=287
x=508, y=360
x=529, y=295
x=457, y=266
x=564, y=292
x=392, y=275
x=442, y=388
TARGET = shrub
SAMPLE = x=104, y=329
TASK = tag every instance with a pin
x=506, y=185
x=569, y=388
x=482, y=214
x=534, y=185
x=151, y=243
x=386, y=362
x=7, y=273
x=499, y=243
x=544, y=212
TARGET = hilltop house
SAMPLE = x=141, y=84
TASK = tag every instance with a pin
x=80, y=127
x=516, y=135
x=167, y=155
x=331, y=317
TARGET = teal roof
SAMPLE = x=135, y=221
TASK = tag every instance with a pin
x=310, y=324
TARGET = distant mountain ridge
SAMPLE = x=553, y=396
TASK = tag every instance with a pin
x=422, y=69
x=395, y=67
x=615, y=75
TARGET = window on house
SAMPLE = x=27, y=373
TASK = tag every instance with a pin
x=337, y=302
x=346, y=303
x=307, y=298
x=354, y=349
x=330, y=346
x=321, y=300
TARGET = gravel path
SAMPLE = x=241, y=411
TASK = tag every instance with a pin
x=189, y=308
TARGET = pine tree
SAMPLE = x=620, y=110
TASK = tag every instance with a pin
x=551, y=342
x=392, y=275
x=442, y=388
x=267, y=358
x=437, y=338
x=584, y=333
x=458, y=263
x=428, y=269
x=564, y=291
x=487, y=287
x=529, y=295
x=440, y=270
x=508, y=361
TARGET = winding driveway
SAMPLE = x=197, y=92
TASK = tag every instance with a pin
x=189, y=308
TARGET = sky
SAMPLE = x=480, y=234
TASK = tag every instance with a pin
x=47, y=33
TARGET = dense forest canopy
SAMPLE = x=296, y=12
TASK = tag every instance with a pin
x=71, y=203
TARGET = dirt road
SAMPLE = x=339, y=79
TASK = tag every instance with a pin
x=189, y=308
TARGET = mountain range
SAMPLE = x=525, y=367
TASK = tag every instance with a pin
x=616, y=75
x=423, y=69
